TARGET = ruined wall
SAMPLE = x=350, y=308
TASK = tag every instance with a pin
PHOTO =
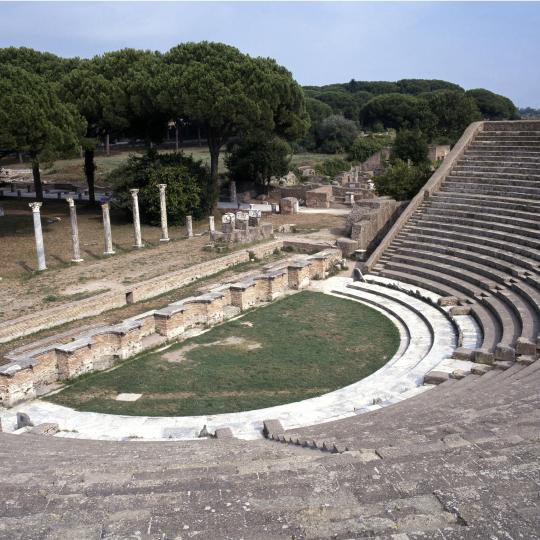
x=95, y=305
x=369, y=220
x=33, y=372
x=319, y=198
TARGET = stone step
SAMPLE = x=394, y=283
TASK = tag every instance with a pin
x=467, y=284
x=489, y=190
x=525, y=307
x=482, y=222
x=495, y=258
x=520, y=220
x=506, y=158
x=504, y=173
x=489, y=324
x=495, y=182
x=525, y=211
x=529, y=256
x=501, y=143
x=488, y=199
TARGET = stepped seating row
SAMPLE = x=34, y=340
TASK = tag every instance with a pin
x=478, y=238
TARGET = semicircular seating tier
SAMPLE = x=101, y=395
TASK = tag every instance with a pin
x=477, y=238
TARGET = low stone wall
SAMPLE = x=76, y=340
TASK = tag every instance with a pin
x=37, y=371
x=359, y=193
x=298, y=191
x=95, y=305
x=264, y=231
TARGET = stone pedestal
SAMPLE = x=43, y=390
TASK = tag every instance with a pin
x=40, y=249
x=74, y=231
x=189, y=226
x=107, y=235
x=163, y=209
x=136, y=219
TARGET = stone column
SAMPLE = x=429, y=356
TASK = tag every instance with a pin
x=232, y=192
x=211, y=224
x=136, y=219
x=107, y=229
x=189, y=226
x=40, y=250
x=163, y=207
x=74, y=231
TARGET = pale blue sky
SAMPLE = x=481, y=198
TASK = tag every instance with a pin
x=491, y=45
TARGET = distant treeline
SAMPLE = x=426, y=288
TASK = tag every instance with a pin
x=440, y=110
x=528, y=112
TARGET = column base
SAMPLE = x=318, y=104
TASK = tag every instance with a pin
x=109, y=253
x=164, y=239
x=77, y=260
x=138, y=247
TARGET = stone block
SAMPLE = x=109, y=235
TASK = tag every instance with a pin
x=460, y=310
x=224, y=433
x=504, y=352
x=23, y=420
x=525, y=346
x=483, y=356
x=480, y=369
x=462, y=353
x=272, y=427
x=348, y=247
x=436, y=377
x=448, y=301
x=48, y=428
x=289, y=205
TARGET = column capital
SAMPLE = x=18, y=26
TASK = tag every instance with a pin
x=134, y=192
x=162, y=187
x=35, y=206
x=70, y=201
x=105, y=206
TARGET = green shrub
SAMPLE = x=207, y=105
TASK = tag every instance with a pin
x=187, y=184
x=402, y=181
x=364, y=147
x=332, y=166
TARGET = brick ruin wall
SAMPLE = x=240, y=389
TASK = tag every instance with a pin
x=134, y=293
x=38, y=370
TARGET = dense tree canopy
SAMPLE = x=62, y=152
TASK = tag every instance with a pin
x=450, y=113
x=101, y=103
x=336, y=134
x=396, y=111
x=34, y=120
x=231, y=93
x=410, y=146
x=46, y=65
x=258, y=158
x=493, y=106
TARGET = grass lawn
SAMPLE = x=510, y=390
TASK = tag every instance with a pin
x=305, y=345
